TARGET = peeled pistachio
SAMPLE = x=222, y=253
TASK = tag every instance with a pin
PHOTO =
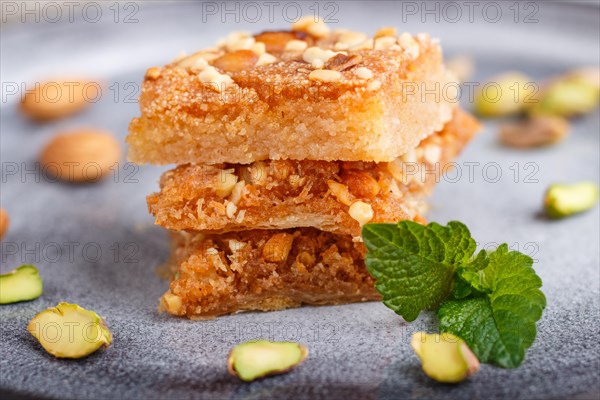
x=534, y=132
x=567, y=96
x=253, y=360
x=506, y=94
x=564, y=200
x=70, y=331
x=21, y=284
x=445, y=358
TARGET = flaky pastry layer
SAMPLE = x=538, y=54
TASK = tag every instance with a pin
x=264, y=270
x=320, y=194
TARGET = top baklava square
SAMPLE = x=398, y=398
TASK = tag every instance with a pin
x=306, y=94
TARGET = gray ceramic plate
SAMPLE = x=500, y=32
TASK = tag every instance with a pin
x=95, y=245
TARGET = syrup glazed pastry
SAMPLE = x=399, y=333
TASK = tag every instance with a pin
x=334, y=196
x=264, y=270
x=288, y=142
x=305, y=94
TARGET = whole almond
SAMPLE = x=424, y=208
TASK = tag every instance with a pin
x=83, y=155
x=237, y=61
x=59, y=98
x=4, y=222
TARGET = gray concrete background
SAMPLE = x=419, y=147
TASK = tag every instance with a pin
x=357, y=351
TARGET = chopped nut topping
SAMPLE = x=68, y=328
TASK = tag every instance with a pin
x=366, y=45
x=230, y=209
x=195, y=63
x=278, y=247
x=237, y=192
x=361, y=212
x=348, y=39
x=317, y=57
x=218, y=81
x=340, y=192
x=342, y=62
x=386, y=43
x=325, y=75
x=171, y=303
x=386, y=31
x=296, y=46
x=225, y=183
x=259, y=48
x=360, y=183
x=363, y=73
x=200, y=59
x=409, y=45
x=266, y=59
x=153, y=73
x=237, y=61
x=311, y=25
x=238, y=41
x=276, y=42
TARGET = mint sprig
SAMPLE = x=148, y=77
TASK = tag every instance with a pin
x=491, y=300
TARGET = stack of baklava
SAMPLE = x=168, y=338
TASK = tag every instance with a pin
x=287, y=143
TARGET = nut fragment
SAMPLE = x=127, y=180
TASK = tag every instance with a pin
x=340, y=192
x=59, y=98
x=83, y=155
x=278, y=247
x=277, y=41
x=4, y=222
x=565, y=200
x=217, y=81
x=534, y=132
x=360, y=183
x=21, y=284
x=361, y=212
x=265, y=59
x=386, y=43
x=238, y=40
x=386, y=31
x=311, y=25
x=317, y=56
x=505, y=94
x=237, y=192
x=342, y=62
x=236, y=61
x=225, y=182
x=363, y=73
x=445, y=358
x=325, y=75
x=70, y=331
x=348, y=39
x=171, y=303
x=567, y=96
x=253, y=360
x=296, y=46
x=153, y=73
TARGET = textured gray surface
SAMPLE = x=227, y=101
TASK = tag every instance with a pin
x=357, y=351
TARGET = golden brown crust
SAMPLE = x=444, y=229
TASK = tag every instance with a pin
x=244, y=271
x=287, y=194
x=367, y=104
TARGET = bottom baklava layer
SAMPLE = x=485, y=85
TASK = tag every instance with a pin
x=264, y=270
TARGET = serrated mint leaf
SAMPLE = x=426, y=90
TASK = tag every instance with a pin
x=413, y=264
x=499, y=321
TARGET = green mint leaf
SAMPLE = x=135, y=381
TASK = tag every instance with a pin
x=413, y=264
x=499, y=321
